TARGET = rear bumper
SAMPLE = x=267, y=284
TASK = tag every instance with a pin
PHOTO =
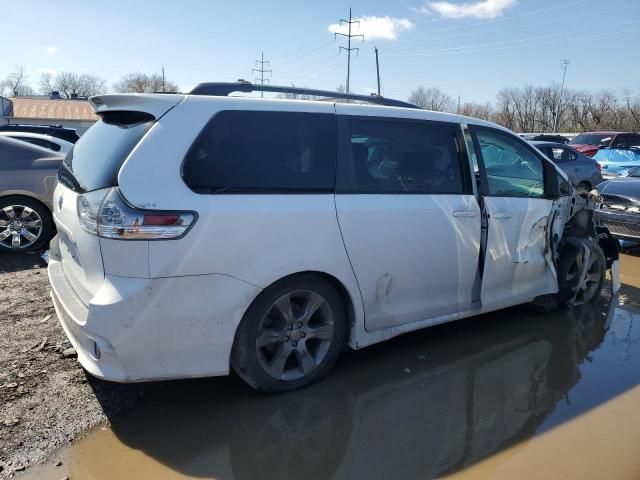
x=137, y=329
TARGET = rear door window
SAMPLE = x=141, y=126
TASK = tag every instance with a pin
x=263, y=152
x=95, y=159
x=389, y=156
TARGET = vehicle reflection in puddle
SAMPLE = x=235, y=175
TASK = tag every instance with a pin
x=423, y=405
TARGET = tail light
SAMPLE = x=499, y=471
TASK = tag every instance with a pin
x=598, y=167
x=105, y=213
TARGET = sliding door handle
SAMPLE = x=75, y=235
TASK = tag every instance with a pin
x=501, y=215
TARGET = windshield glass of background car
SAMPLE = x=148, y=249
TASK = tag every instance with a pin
x=96, y=158
x=590, y=139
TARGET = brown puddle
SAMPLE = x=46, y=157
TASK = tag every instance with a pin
x=512, y=394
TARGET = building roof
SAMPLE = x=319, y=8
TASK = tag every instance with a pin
x=47, y=109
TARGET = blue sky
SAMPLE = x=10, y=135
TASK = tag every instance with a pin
x=470, y=48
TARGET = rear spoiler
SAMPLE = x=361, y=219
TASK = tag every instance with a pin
x=155, y=105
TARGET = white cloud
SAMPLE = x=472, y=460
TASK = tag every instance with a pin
x=374, y=28
x=482, y=9
x=52, y=50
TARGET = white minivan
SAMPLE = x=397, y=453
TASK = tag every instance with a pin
x=201, y=231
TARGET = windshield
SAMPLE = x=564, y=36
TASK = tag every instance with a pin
x=95, y=160
x=591, y=139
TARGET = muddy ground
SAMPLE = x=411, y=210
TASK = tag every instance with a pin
x=45, y=397
x=185, y=428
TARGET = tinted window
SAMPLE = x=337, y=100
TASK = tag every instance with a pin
x=591, y=139
x=620, y=141
x=246, y=151
x=402, y=157
x=634, y=140
x=95, y=159
x=40, y=142
x=512, y=169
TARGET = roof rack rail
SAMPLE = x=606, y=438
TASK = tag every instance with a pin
x=221, y=89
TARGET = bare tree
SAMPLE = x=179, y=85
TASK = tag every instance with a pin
x=431, y=99
x=483, y=111
x=143, y=83
x=82, y=85
x=16, y=83
x=46, y=83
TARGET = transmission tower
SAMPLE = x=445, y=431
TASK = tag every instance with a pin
x=262, y=71
x=348, y=48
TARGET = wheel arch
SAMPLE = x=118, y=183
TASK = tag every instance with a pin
x=347, y=297
x=26, y=194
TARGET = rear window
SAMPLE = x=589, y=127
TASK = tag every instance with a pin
x=254, y=152
x=95, y=159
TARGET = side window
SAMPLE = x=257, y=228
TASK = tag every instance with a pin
x=634, y=140
x=388, y=156
x=40, y=142
x=561, y=154
x=249, y=151
x=620, y=141
x=512, y=169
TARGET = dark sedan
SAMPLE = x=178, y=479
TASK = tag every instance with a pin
x=620, y=210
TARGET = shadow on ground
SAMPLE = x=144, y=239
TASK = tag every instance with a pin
x=420, y=406
x=13, y=262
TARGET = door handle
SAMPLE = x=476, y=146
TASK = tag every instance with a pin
x=464, y=213
x=501, y=215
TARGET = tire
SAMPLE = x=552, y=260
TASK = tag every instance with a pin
x=568, y=266
x=291, y=335
x=25, y=224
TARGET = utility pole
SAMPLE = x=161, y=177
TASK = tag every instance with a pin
x=262, y=71
x=378, y=70
x=458, y=111
x=348, y=49
x=565, y=64
x=163, y=78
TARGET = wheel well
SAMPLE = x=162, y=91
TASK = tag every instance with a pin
x=587, y=183
x=32, y=199
x=347, y=302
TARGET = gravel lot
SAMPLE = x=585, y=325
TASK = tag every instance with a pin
x=45, y=397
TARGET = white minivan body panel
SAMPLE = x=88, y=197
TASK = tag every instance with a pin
x=516, y=266
x=415, y=256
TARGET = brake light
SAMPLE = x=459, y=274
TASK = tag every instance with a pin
x=598, y=167
x=108, y=215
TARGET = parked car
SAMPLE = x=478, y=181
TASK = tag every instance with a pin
x=27, y=181
x=545, y=137
x=620, y=210
x=583, y=171
x=200, y=232
x=589, y=142
x=58, y=131
x=617, y=161
x=46, y=141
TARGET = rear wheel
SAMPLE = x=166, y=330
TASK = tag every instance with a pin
x=291, y=335
x=25, y=224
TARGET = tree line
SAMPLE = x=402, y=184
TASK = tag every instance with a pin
x=544, y=109
x=69, y=84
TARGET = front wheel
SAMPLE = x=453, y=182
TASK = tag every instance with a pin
x=291, y=335
x=574, y=289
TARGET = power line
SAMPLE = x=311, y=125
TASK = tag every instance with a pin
x=348, y=48
x=565, y=65
x=262, y=71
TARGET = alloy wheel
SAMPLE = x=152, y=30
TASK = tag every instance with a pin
x=295, y=334
x=20, y=227
x=585, y=287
